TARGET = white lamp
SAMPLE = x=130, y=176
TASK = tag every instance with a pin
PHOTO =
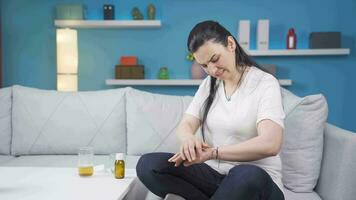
x=67, y=60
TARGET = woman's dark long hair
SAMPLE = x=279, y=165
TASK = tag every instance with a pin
x=213, y=31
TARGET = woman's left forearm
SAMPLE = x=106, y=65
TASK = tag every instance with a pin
x=267, y=143
x=250, y=150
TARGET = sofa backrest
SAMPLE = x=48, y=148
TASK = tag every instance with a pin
x=52, y=122
x=152, y=120
x=5, y=120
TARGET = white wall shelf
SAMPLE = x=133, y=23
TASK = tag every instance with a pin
x=299, y=52
x=107, y=23
x=171, y=82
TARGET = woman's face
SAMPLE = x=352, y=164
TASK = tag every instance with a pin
x=217, y=60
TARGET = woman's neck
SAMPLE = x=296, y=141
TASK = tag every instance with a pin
x=235, y=77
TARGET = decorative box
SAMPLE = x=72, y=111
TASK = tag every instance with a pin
x=263, y=34
x=244, y=34
x=129, y=72
x=70, y=11
x=128, y=60
x=324, y=40
x=270, y=68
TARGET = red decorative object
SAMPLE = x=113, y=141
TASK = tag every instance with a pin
x=291, y=39
x=128, y=60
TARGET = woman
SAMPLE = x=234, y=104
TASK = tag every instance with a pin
x=240, y=111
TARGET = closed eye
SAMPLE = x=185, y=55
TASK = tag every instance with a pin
x=215, y=60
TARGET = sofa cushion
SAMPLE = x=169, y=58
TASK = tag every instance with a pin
x=289, y=195
x=5, y=120
x=52, y=122
x=301, y=152
x=152, y=120
x=4, y=159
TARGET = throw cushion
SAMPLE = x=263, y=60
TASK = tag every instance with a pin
x=52, y=122
x=5, y=120
x=152, y=120
x=302, y=149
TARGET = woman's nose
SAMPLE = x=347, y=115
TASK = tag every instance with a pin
x=211, y=67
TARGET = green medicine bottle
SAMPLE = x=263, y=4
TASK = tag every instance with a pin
x=119, y=166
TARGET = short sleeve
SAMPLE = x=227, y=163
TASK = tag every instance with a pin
x=270, y=105
x=199, y=98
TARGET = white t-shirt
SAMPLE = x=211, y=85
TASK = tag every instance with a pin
x=235, y=121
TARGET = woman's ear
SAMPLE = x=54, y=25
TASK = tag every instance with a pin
x=231, y=44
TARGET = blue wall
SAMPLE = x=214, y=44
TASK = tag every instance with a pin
x=30, y=55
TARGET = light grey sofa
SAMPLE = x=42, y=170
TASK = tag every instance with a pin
x=45, y=128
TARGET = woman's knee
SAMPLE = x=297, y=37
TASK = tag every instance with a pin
x=243, y=182
x=151, y=162
x=247, y=169
x=249, y=175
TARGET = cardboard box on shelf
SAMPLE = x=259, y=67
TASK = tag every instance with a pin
x=129, y=72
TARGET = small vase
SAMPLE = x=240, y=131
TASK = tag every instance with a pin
x=163, y=73
x=151, y=12
x=197, y=71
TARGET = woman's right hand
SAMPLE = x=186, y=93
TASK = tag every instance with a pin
x=191, y=148
x=178, y=157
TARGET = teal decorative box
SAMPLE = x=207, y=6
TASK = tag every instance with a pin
x=70, y=11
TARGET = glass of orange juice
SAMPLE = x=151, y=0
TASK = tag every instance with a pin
x=85, y=161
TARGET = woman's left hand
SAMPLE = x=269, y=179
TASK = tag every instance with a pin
x=204, y=156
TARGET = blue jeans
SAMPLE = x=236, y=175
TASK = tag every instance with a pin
x=200, y=181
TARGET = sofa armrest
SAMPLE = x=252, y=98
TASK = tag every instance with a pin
x=337, y=176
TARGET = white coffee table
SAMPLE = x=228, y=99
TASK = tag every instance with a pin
x=37, y=183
